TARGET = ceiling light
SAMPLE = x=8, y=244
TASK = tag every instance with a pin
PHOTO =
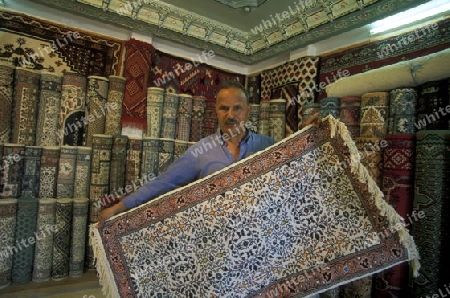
x=418, y=13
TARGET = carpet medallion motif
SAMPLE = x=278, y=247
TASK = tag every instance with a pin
x=297, y=218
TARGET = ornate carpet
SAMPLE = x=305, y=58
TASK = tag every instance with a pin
x=26, y=41
x=298, y=218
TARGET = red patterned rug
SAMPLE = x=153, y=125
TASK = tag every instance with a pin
x=188, y=76
x=137, y=73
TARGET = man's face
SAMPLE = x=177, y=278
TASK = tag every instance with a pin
x=231, y=109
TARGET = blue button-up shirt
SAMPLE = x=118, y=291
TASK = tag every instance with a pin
x=201, y=159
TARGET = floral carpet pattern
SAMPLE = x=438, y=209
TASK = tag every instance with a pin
x=297, y=218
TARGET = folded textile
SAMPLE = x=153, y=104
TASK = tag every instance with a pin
x=409, y=73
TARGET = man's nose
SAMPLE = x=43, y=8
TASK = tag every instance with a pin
x=230, y=114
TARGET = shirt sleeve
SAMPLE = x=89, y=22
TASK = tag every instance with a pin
x=180, y=173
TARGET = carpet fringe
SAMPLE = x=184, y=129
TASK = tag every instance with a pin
x=104, y=272
x=396, y=222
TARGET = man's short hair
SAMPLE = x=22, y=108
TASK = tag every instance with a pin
x=235, y=85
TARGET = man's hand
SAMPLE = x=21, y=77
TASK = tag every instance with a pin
x=314, y=120
x=106, y=213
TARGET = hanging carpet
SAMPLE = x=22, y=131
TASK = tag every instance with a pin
x=39, y=44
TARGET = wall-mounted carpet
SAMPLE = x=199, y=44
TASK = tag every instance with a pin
x=187, y=76
x=210, y=118
x=302, y=72
x=136, y=71
x=55, y=47
x=299, y=217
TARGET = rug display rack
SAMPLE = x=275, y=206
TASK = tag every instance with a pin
x=418, y=126
x=61, y=144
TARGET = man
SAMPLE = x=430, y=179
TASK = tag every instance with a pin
x=232, y=142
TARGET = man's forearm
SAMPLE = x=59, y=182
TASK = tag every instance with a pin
x=119, y=207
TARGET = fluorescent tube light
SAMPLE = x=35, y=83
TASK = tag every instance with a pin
x=418, y=13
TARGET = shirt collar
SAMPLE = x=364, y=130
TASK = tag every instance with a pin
x=222, y=140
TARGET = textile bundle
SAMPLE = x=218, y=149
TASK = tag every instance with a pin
x=26, y=95
x=61, y=238
x=25, y=227
x=43, y=253
x=300, y=217
x=350, y=113
x=431, y=197
x=6, y=101
x=78, y=236
x=96, y=101
x=8, y=210
x=49, y=105
x=72, y=111
x=398, y=188
x=264, y=117
x=402, y=111
x=409, y=73
x=277, y=119
x=66, y=172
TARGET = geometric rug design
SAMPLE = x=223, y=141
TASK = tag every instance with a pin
x=298, y=218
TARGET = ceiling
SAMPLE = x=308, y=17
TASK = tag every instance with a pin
x=248, y=31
